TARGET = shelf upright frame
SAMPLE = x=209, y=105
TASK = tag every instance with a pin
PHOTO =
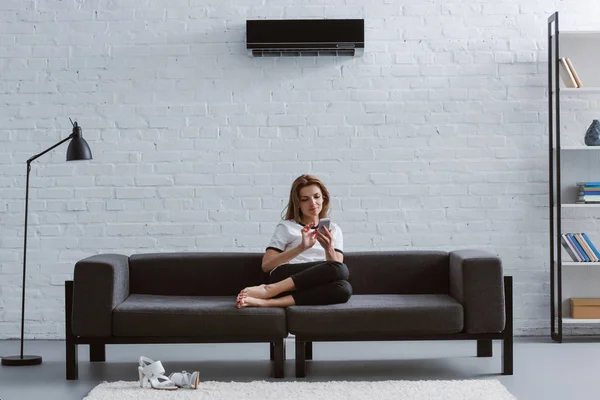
x=556, y=326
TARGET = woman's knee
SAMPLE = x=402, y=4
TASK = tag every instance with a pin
x=341, y=270
x=344, y=291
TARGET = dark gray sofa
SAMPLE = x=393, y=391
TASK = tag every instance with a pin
x=190, y=298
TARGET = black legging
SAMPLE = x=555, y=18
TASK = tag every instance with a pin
x=317, y=283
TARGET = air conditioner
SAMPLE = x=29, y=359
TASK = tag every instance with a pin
x=305, y=37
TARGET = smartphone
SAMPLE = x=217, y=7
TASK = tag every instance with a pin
x=325, y=222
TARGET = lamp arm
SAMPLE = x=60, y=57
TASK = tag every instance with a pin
x=50, y=148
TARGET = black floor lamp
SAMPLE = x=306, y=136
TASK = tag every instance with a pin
x=78, y=150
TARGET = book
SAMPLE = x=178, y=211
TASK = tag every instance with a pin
x=588, y=248
x=578, y=247
x=585, y=247
x=574, y=246
x=588, y=252
x=588, y=199
x=572, y=69
x=588, y=184
x=589, y=241
x=569, y=247
x=565, y=74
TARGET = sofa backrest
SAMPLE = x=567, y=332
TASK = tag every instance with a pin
x=399, y=272
x=225, y=274
x=194, y=274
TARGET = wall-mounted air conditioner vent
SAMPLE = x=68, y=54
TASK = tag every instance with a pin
x=305, y=37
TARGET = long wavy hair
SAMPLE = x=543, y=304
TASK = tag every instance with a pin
x=293, y=207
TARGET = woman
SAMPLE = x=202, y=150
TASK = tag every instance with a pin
x=305, y=264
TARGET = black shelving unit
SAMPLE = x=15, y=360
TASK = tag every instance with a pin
x=583, y=164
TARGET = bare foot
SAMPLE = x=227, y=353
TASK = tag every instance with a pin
x=239, y=298
x=257, y=292
x=247, y=301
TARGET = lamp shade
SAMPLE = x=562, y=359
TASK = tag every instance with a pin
x=78, y=148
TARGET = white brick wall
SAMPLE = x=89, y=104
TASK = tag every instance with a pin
x=435, y=139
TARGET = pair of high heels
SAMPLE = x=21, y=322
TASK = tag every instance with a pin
x=153, y=372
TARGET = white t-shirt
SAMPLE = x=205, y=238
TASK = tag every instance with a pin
x=288, y=235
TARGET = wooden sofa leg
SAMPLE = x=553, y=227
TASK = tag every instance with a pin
x=309, y=350
x=300, y=359
x=278, y=354
x=98, y=352
x=72, y=366
x=507, y=356
x=272, y=351
x=507, y=342
x=484, y=347
x=70, y=345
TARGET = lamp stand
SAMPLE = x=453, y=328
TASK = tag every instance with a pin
x=27, y=359
x=23, y=359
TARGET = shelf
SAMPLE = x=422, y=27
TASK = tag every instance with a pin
x=581, y=90
x=579, y=263
x=573, y=321
x=589, y=34
x=581, y=147
x=582, y=205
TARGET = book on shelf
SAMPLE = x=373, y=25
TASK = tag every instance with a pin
x=588, y=192
x=586, y=247
x=580, y=247
x=588, y=199
x=573, y=72
x=569, y=248
x=565, y=74
x=589, y=241
x=588, y=184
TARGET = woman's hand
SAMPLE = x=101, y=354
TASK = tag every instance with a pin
x=309, y=236
x=325, y=237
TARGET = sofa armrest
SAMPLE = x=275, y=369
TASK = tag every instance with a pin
x=476, y=281
x=100, y=283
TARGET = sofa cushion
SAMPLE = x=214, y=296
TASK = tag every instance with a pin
x=377, y=316
x=203, y=317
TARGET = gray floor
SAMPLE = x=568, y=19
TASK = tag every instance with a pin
x=543, y=369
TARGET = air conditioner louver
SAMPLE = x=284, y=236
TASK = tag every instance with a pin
x=302, y=53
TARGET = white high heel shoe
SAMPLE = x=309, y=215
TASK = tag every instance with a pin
x=185, y=380
x=152, y=372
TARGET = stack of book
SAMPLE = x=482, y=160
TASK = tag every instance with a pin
x=568, y=74
x=589, y=192
x=580, y=247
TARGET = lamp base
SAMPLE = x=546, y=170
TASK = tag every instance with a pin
x=18, y=360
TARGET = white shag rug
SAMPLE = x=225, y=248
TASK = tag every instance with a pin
x=262, y=390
